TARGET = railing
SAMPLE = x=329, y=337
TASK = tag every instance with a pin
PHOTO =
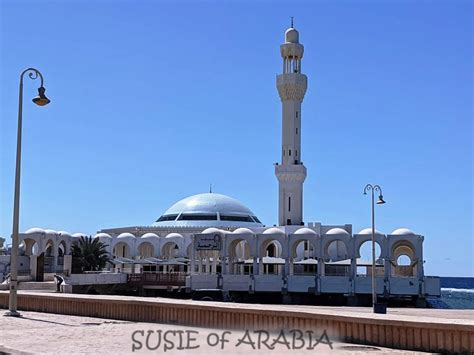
x=158, y=279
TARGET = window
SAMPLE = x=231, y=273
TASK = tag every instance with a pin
x=296, y=130
x=236, y=218
x=296, y=114
x=289, y=204
x=296, y=153
x=289, y=152
x=197, y=217
x=168, y=217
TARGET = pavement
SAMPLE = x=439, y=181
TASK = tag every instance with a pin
x=45, y=333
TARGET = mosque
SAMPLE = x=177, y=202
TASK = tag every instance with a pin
x=219, y=243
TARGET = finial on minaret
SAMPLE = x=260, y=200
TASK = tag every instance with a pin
x=210, y=188
x=292, y=17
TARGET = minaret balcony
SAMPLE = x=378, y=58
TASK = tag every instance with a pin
x=292, y=86
x=290, y=173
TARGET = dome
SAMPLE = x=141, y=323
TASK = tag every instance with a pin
x=369, y=231
x=102, y=235
x=125, y=235
x=273, y=230
x=305, y=231
x=35, y=230
x=64, y=234
x=402, y=231
x=149, y=236
x=208, y=210
x=50, y=231
x=174, y=235
x=211, y=230
x=78, y=235
x=337, y=231
x=292, y=35
x=242, y=230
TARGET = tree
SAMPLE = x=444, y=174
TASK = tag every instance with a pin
x=90, y=254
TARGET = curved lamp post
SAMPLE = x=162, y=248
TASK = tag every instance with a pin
x=380, y=201
x=40, y=100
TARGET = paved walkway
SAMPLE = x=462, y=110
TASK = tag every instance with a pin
x=44, y=333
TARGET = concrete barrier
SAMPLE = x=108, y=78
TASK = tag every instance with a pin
x=391, y=330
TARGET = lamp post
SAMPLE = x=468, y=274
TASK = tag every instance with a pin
x=380, y=201
x=40, y=100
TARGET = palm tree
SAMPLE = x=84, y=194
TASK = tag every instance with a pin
x=90, y=254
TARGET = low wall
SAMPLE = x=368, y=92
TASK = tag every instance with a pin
x=395, y=331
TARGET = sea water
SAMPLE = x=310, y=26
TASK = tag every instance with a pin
x=456, y=293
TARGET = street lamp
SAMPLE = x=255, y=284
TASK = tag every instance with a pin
x=380, y=201
x=40, y=100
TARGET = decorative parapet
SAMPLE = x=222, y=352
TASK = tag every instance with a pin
x=290, y=173
x=292, y=86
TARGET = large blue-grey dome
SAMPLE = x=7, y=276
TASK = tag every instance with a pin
x=208, y=210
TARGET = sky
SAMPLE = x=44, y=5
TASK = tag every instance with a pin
x=152, y=101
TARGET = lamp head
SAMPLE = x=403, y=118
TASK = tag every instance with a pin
x=380, y=201
x=41, y=99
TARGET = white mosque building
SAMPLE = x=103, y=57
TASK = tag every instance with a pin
x=219, y=243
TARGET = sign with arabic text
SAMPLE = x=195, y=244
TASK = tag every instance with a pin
x=208, y=241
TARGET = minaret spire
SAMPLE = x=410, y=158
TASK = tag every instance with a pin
x=291, y=173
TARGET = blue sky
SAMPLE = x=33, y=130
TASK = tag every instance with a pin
x=152, y=101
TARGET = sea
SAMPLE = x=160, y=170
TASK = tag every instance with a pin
x=456, y=293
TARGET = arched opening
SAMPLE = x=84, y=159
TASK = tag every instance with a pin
x=270, y=261
x=30, y=247
x=121, y=250
x=49, y=257
x=146, y=250
x=240, y=261
x=403, y=259
x=404, y=266
x=170, y=250
x=49, y=249
x=339, y=263
x=336, y=250
x=302, y=261
x=62, y=250
x=364, y=263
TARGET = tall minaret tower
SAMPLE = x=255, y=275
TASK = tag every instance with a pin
x=291, y=173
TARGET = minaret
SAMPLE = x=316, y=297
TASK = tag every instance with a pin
x=291, y=173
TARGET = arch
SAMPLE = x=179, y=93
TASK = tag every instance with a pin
x=49, y=248
x=31, y=246
x=271, y=246
x=303, y=254
x=239, y=250
x=169, y=250
x=146, y=250
x=341, y=250
x=336, y=250
x=406, y=250
x=297, y=238
x=366, y=235
x=364, y=250
x=402, y=247
x=403, y=260
x=121, y=249
x=62, y=248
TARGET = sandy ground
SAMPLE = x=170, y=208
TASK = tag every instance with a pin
x=44, y=333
